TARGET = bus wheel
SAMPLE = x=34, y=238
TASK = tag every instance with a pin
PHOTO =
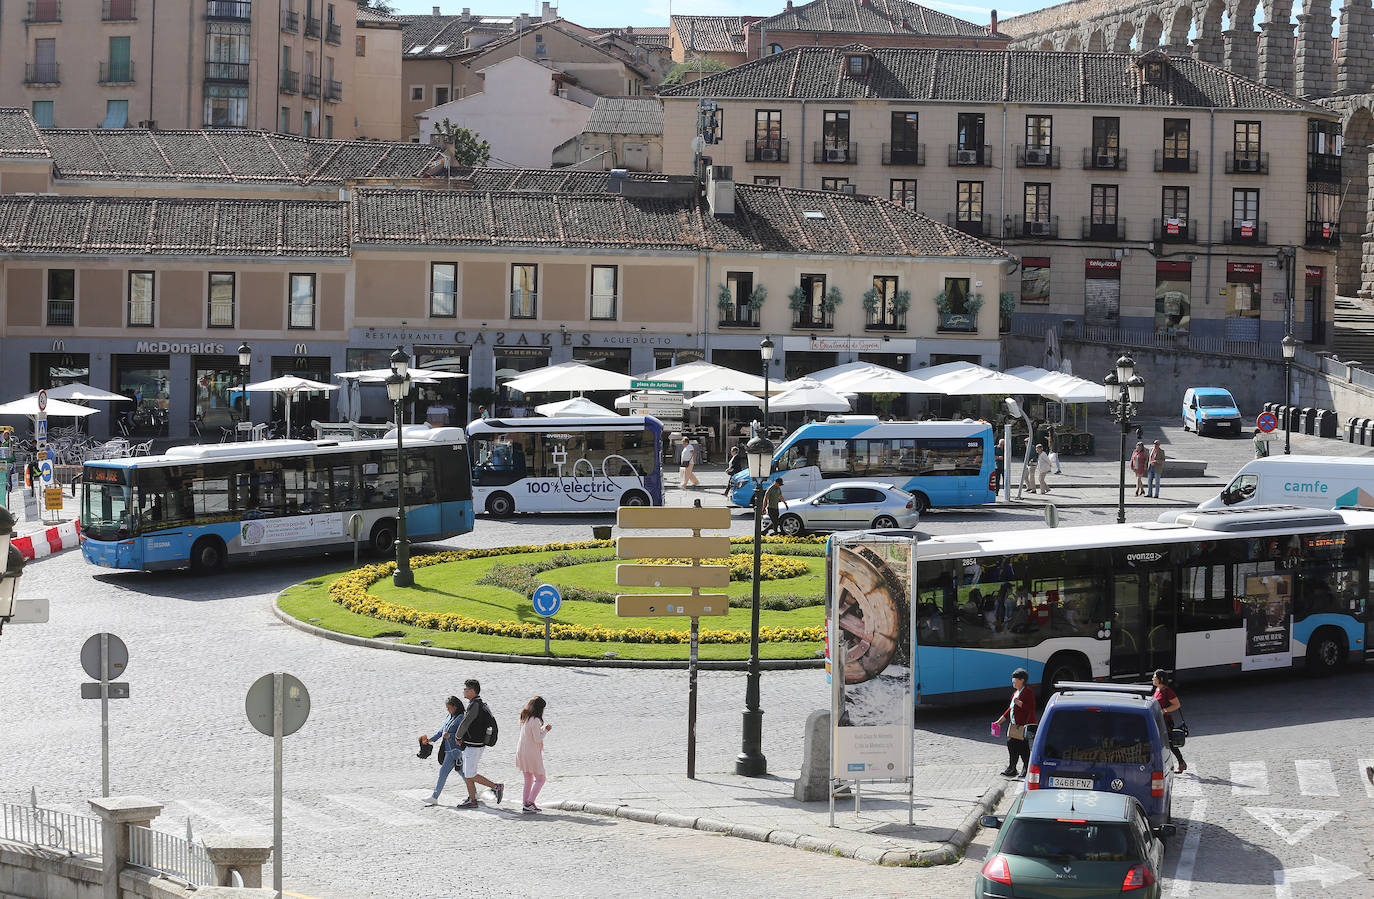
x=207, y=555
x=792, y=525
x=500, y=505
x=922, y=502
x=383, y=539
x=634, y=498
x=1325, y=652
x=1068, y=666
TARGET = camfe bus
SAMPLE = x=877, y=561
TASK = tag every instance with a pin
x=1215, y=593
x=941, y=463
x=573, y=464
x=200, y=506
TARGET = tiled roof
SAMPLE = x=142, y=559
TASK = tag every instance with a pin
x=642, y=37
x=18, y=134
x=711, y=34
x=564, y=181
x=228, y=155
x=872, y=17
x=177, y=227
x=439, y=36
x=767, y=219
x=626, y=115
x=988, y=76
x=472, y=58
x=367, y=16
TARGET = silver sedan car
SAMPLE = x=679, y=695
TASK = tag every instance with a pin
x=849, y=505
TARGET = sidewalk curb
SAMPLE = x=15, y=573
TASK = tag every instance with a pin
x=440, y=652
x=946, y=853
x=49, y=541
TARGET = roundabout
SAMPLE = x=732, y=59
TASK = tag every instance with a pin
x=480, y=601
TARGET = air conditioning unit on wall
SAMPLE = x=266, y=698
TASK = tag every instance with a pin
x=966, y=157
x=1037, y=156
x=1104, y=161
x=836, y=155
x=768, y=154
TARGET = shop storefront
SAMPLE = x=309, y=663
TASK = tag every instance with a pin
x=1243, y=301
x=218, y=403
x=147, y=380
x=1102, y=292
x=510, y=362
x=445, y=402
x=1173, y=297
x=305, y=407
x=49, y=370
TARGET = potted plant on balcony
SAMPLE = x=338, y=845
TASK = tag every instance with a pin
x=965, y=319
x=725, y=301
x=797, y=300
x=1006, y=305
x=897, y=307
x=832, y=298
x=756, y=298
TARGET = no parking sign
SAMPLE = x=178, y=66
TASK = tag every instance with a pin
x=1267, y=421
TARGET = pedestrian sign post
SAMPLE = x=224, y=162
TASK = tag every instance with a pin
x=277, y=705
x=695, y=577
x=547, y=601
x=655, y=385
x=104, y=657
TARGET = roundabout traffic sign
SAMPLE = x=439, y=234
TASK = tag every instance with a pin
x=547, y=600
x=1267, y=421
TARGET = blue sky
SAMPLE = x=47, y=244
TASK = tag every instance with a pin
x=655, y=12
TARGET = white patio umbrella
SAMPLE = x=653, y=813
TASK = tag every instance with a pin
x=876, y=379
x=575, y=406
x=417, y=375
x=1062, y=386
x=944, y=368
x=812, y=399
x=573, y=377
x=723, y=399
x=703, y=377
x=84, y=393
x=288, y=386
x=28, y=405
x=982, y=382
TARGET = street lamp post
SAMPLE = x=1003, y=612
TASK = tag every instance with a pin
x=766, y=355
x=397, y=386
x=1124, y=389
x=245, y=360
x=1290, y=349
x=750, y=762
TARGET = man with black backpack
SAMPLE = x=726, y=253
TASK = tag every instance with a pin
x=475, y=733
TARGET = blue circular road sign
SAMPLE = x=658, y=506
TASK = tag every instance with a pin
x=547, y=600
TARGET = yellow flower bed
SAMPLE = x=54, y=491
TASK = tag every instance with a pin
x=771, y=567
x=350, y=591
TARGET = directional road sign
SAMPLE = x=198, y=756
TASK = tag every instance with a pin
x=655, y=385
x=669, y=605
x=547, y=600
x=672, y=547
x=1267, y=421
x=118, y=690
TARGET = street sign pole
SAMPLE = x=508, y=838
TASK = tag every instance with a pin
x=277, y=705
x=547, y=601
x=104, y=714
x=278, y=702
x=103, y=657
x=692, y=699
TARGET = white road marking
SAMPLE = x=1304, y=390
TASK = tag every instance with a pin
x=222, y=818
x=1249, y=779
x=1315, y=777
x=1362, y=773
x=1187, y=787
x=375, y=808
x=1313, y=820
x=295, y=815
x=1323, y=870
x=1187, y=859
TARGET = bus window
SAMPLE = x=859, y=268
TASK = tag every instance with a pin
x=833, y=458
x=345, y=497
x=957, y=456
x=1204, y=604
x=801, y=454
x=419, y=479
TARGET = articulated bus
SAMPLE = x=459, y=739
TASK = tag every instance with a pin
x=1215, y=593
x=573, y=464
x=203, y=506
x=941, y=463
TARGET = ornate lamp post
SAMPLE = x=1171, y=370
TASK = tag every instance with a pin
x=397, y=386
x=766, y=355
x=1124, y=390
x=1290, y=349
x=750, y=762
x=245, y=360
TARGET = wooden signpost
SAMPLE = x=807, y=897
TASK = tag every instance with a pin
x=694, y=577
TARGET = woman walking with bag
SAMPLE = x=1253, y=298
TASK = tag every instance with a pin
x=529, y=751
x=1140, y=464
x=1020, y=712
x=1168, y=703
x=449, y=753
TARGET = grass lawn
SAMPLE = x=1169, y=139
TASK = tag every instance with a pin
x=450, y=588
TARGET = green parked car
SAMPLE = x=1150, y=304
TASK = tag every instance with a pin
x=1073, y=844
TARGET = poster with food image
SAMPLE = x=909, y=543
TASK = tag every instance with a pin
x=291, y=529
x=1267, y=608
x=869, y=625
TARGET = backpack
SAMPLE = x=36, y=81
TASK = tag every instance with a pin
x=490, y=725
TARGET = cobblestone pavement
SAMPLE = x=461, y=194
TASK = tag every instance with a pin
x=1273, y=783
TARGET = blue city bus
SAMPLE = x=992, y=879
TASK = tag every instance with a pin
x=941, y=463
x=1217, y=593
x=203, y=506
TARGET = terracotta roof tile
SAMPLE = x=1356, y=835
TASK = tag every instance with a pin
x=18, y=134
x=873, y=17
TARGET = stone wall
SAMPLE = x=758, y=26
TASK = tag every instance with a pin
x=27, y=872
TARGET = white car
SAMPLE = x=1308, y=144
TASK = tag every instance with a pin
x=849, y=505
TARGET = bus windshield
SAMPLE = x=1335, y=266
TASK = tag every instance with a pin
x=105, y=510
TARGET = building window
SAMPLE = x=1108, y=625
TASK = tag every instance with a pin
x=1035, y=202
x=774, y=48
x=116, y=114
x=440, y=94
x=329, y=127
x=1247, y=140
x=1102, y=221
x=61, y=297
x=221, y=300
x=227, y=51
x=834, y=184
x=904, y=133
x=768, y=180
x=1173, y=211
x=737, y=310
x=42, y=113
x=360, y=45
x=856, y=65
x=605, y=289
x=141, y=300
x=835, y=136
x=1039, y=131
x=968, y=206
x=1245, y=224
x=812, y=312
x=1173, y=297
x=958, y=318
x=1035, y=280
x=226, y=105
x=524, y=290
x=443, y=289
x=308, y=123
x=969, y=150
x=44, y=69
x=284, y=120
x=885, y=315
x=1323, y=211
x=767, y=134
x=417, y=93
x=1106, y=148
x=1177, y=146
x=903, y=191
x=301, y=302
x=118, y=68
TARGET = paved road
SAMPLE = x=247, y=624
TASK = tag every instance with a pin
x=1272, y=786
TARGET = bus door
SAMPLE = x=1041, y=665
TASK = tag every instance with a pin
x=1128, y=631
x=1143, y=625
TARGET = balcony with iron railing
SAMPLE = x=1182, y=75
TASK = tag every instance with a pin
x=333, y=90
x=312, y=86
x=1037, y=157
x=42, y=12
x=974, y=155
x=739, y=317
x=1175, y=161
x=61, y=313
x=229, y=10
x=813, y=318
x=1245, y=232
x=904, y=154
x=1324, y=167
x=290, y=81
x=771, y=150
x=1172, y=230
x=1113, y=230
x=835, y=152
x=117, y=11
x=333, y=34
x=1104, y=158
x=957, y=322
x=42, y=73
x=290, y=21
x=1249, y=163
x=216, y=70
x=1041, y=227
x=118, y=72
x=312, y=26
x=976, y=225
x=890, y=322
x=1323, y=234
x=524, y=304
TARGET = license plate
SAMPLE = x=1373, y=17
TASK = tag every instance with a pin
x=1072, y=783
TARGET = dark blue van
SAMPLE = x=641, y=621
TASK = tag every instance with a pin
x=1105, y=737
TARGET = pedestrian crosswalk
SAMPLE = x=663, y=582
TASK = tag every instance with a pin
x=1312, y=777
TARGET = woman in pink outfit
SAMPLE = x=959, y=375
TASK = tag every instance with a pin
x=529, y=752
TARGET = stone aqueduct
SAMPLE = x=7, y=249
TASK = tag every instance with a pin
x=1297, y=57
